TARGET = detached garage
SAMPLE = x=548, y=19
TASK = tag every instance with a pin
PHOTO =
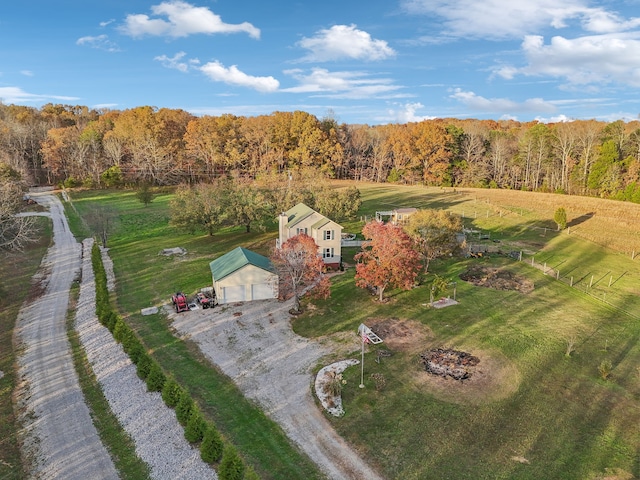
x=242, y=275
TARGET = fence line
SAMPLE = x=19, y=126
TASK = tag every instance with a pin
x=587, y=290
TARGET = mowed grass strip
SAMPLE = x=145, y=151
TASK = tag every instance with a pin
x=145, y=278
x=16, y=274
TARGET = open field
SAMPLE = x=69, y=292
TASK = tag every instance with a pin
x=530, y=412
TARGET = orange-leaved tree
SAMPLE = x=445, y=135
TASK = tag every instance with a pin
x=388, y=258
x=300, y=270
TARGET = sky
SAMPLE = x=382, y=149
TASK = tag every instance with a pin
x=357, y=61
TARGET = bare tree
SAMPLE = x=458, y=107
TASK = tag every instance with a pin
x=102, y=220
x=15, y=230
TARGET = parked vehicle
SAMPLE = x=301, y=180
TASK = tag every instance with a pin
x=204, y=301
x=180, y=303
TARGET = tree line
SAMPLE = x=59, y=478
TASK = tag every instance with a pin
x=105, y=148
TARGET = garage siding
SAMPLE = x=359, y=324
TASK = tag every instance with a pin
x=248, y=283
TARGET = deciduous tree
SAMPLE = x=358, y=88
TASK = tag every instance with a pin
x=300, y=269
x=388, y=258
x=15, y=231
x=434, y=233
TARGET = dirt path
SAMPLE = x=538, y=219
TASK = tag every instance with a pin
x=254, y=345
x=59, y=438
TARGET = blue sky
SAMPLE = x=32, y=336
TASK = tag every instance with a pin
x=372, y=61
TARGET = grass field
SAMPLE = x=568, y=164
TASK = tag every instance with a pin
x=538, y=414
x=16, y=271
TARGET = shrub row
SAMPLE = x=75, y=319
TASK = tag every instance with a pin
x=197, y=430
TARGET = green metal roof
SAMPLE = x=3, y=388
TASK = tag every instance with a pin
x=297, y=214
x=235, y=260
x=320, y=223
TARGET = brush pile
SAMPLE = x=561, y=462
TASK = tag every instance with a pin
x=449, y=363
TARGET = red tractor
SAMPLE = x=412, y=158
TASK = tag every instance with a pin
x=180, y=303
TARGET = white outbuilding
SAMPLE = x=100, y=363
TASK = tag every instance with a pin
x=242, y=275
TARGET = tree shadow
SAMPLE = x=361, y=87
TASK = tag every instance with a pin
x=580, y=219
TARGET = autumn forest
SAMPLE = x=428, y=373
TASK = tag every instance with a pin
x=76, y=145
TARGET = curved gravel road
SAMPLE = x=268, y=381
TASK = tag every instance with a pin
x=59, y=438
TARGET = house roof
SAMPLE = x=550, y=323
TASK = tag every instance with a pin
x=322, y=222
x=297, y=214
x=406, y=210
x=234, y=260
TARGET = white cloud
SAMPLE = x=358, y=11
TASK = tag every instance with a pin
x=176, y=62
x=340, y=84
x=26, y=73
x=407, y=113
x=499, y=19
x=590, y=60
x=17, y=95
x=101, y=42
x=501, y=105
x=233, y=76
x=182, y=20
x=344, y=42
x=557, y=119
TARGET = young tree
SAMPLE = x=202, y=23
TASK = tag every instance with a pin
x=434, y=233
x=300, y=268
x=388, y=258
x=145, y=194
x=231, y=466
x=101, y=219
x=560, y=217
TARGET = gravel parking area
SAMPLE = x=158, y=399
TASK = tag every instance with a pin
x=254, y=345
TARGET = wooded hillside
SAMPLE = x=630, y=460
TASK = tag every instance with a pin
x=76, y=145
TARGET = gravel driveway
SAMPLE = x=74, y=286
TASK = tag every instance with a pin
x=254, y=345
x=59, y=437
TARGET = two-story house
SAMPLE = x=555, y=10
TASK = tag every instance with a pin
x=326, y=233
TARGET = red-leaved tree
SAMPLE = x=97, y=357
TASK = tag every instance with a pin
x=388, y=258
x=300, y=269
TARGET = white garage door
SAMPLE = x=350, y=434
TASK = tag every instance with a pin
x=234, y=294
x=260, y=291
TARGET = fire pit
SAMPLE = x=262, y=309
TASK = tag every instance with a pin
x=449, y=363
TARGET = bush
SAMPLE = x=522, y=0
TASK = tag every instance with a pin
x=183, y=407
x=212, y=446
x=155, y=378
x=196, y=426
x=560, y=217
x=135, y=349
x=120, y=331
x=231, y=465
x=604, y=369
x=171, y=392
x=143, y=366
x=110, y=320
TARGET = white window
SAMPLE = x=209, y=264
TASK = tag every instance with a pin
x=327, y=253
x=301, y=230
x=328, y=235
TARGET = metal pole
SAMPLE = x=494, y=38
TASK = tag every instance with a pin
x=362, y=362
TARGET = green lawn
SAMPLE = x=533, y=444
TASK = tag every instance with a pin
x=145, y=278
x=545, y=416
